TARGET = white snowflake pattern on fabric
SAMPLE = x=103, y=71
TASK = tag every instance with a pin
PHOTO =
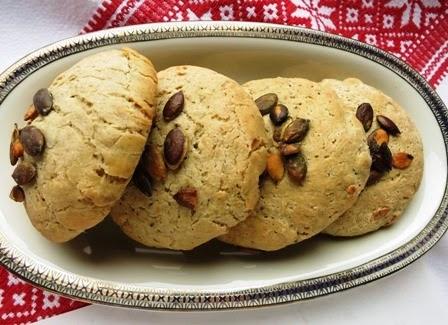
x=367, y=3
x=13, y=280
x=226, y=12
x=174, y=16
x=413, y=9
x=390, y=43
x=404, y=45
x=18, y=299
x=50, y=300
x=430, y=17
x=352, y=15
x=388, y=21
x=251, y=12
x=319, y=15
x=368, y=18
x=270, y=12
x=192, y=16
x=371, y=39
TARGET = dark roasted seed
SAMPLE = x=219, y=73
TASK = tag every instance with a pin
x=266, y=103
x=43, y=101
x=33, y=140
x=374, y=177
x=364, y=113
x=388, y=125
x=279, y=114
x=17, y=194
x=288, y=149
x=24, y=173
x=296, y=168
x=381, y=158
x=296, y=130
x=173, y=106
x=142, y=181
x=277, y=134
x=174, y=148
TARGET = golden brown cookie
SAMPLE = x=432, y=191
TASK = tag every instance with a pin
x=205, y=156
x=292, y=207
x=382, y=203
x=94, y=119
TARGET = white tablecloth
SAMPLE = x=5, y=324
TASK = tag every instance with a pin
x=415, y=295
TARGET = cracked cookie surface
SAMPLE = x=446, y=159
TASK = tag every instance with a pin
x=102, y=112
x=225, y=157
x=380, y=204
x=338, y=164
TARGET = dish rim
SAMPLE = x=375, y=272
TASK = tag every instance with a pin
x=128, y=295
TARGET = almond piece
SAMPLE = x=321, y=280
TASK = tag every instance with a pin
x=380, y=136
x=31, y=113
x=15, y=146
x=380, y=213
x=187, y=197
x=274, y=167
x=402, y=160
x=153, y=163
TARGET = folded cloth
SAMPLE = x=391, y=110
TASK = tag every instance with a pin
x=414, y=30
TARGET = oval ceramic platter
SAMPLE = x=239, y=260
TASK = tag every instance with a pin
x=102, y=266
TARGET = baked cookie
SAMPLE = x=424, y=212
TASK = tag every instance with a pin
x=85, y=136
x=325, y=169
x=380, y=204
x=203, y=161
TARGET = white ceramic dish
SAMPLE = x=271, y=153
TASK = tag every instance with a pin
x=103, y=267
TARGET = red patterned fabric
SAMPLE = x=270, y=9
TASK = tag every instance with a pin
x=21, y=303
x=414, y=30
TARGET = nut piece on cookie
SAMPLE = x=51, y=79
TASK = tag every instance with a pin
x=274, y=166
x=173, y=106
x=153, y=163
x=175, y=148
x=187, y=197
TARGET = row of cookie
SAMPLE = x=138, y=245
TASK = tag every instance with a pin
x=364, y=157
x=199, y=173
x=319, y=161
x=198, y=177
